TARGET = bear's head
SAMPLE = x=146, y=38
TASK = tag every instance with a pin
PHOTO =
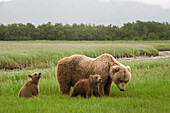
x=120, y=75
x=35, y=76
x=95, y=78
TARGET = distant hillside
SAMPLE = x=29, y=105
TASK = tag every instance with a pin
x=79, y=11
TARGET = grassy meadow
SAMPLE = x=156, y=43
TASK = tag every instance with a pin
x=44, y=54
x=148, y=90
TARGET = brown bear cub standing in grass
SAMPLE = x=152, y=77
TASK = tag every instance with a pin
x=31, y=87
x=86, y=87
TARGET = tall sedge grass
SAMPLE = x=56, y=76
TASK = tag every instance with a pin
x=19, y=55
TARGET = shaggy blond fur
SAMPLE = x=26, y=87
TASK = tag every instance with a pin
x=86, y=87
x=72, y=69
x=31, y=87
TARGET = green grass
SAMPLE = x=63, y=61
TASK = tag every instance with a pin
x=44, y=54
x=148, y=91
x=162, y=46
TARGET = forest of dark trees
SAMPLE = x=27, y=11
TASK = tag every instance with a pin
x=129, y=31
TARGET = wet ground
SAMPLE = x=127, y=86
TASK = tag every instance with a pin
x=162, y=54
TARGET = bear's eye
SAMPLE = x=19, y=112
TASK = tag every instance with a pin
x=121, y=81
x=96, y=77
x=35, y=74
x=126, y=81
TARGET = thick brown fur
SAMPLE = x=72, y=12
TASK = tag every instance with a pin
x=86, y=87
x=31, y=88
x=72, y=69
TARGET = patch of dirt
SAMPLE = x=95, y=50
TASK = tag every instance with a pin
x=137, y=55
x=11, y=67
x=162, y=54
x=163, y=49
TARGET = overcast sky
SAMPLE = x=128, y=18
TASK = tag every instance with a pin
x=105, y=12
x=161, y=3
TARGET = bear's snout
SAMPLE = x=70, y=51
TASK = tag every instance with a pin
x=39, y=75
x=122, y=89
x=100, y=80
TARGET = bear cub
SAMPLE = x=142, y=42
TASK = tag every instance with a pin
x=87, y=87
x=31, y=88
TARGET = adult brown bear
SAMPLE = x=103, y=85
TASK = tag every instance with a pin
x=72, y=69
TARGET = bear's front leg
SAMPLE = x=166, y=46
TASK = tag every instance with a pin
x=101, y=89
x=107, y=86
x=88, y=93
x=35, y=92
x=97, y=94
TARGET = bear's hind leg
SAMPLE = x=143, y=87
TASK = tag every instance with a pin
x=65, y=89
x=83, y=95
x=74, y=93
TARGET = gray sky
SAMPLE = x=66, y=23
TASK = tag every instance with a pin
x=105, y=12
x=161, y=3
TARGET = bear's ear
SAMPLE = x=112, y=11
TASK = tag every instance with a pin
x=91, y=78
x=128, y=67
x=30, y=76
x=115, y=68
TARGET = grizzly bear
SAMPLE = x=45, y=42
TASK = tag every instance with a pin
x=86, y=87
x=72, y=69
x=31, y=87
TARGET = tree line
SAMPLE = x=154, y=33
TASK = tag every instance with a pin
x=138, y=30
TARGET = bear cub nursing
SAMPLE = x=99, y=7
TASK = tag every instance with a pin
x=86, y=87
x=31, y=87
